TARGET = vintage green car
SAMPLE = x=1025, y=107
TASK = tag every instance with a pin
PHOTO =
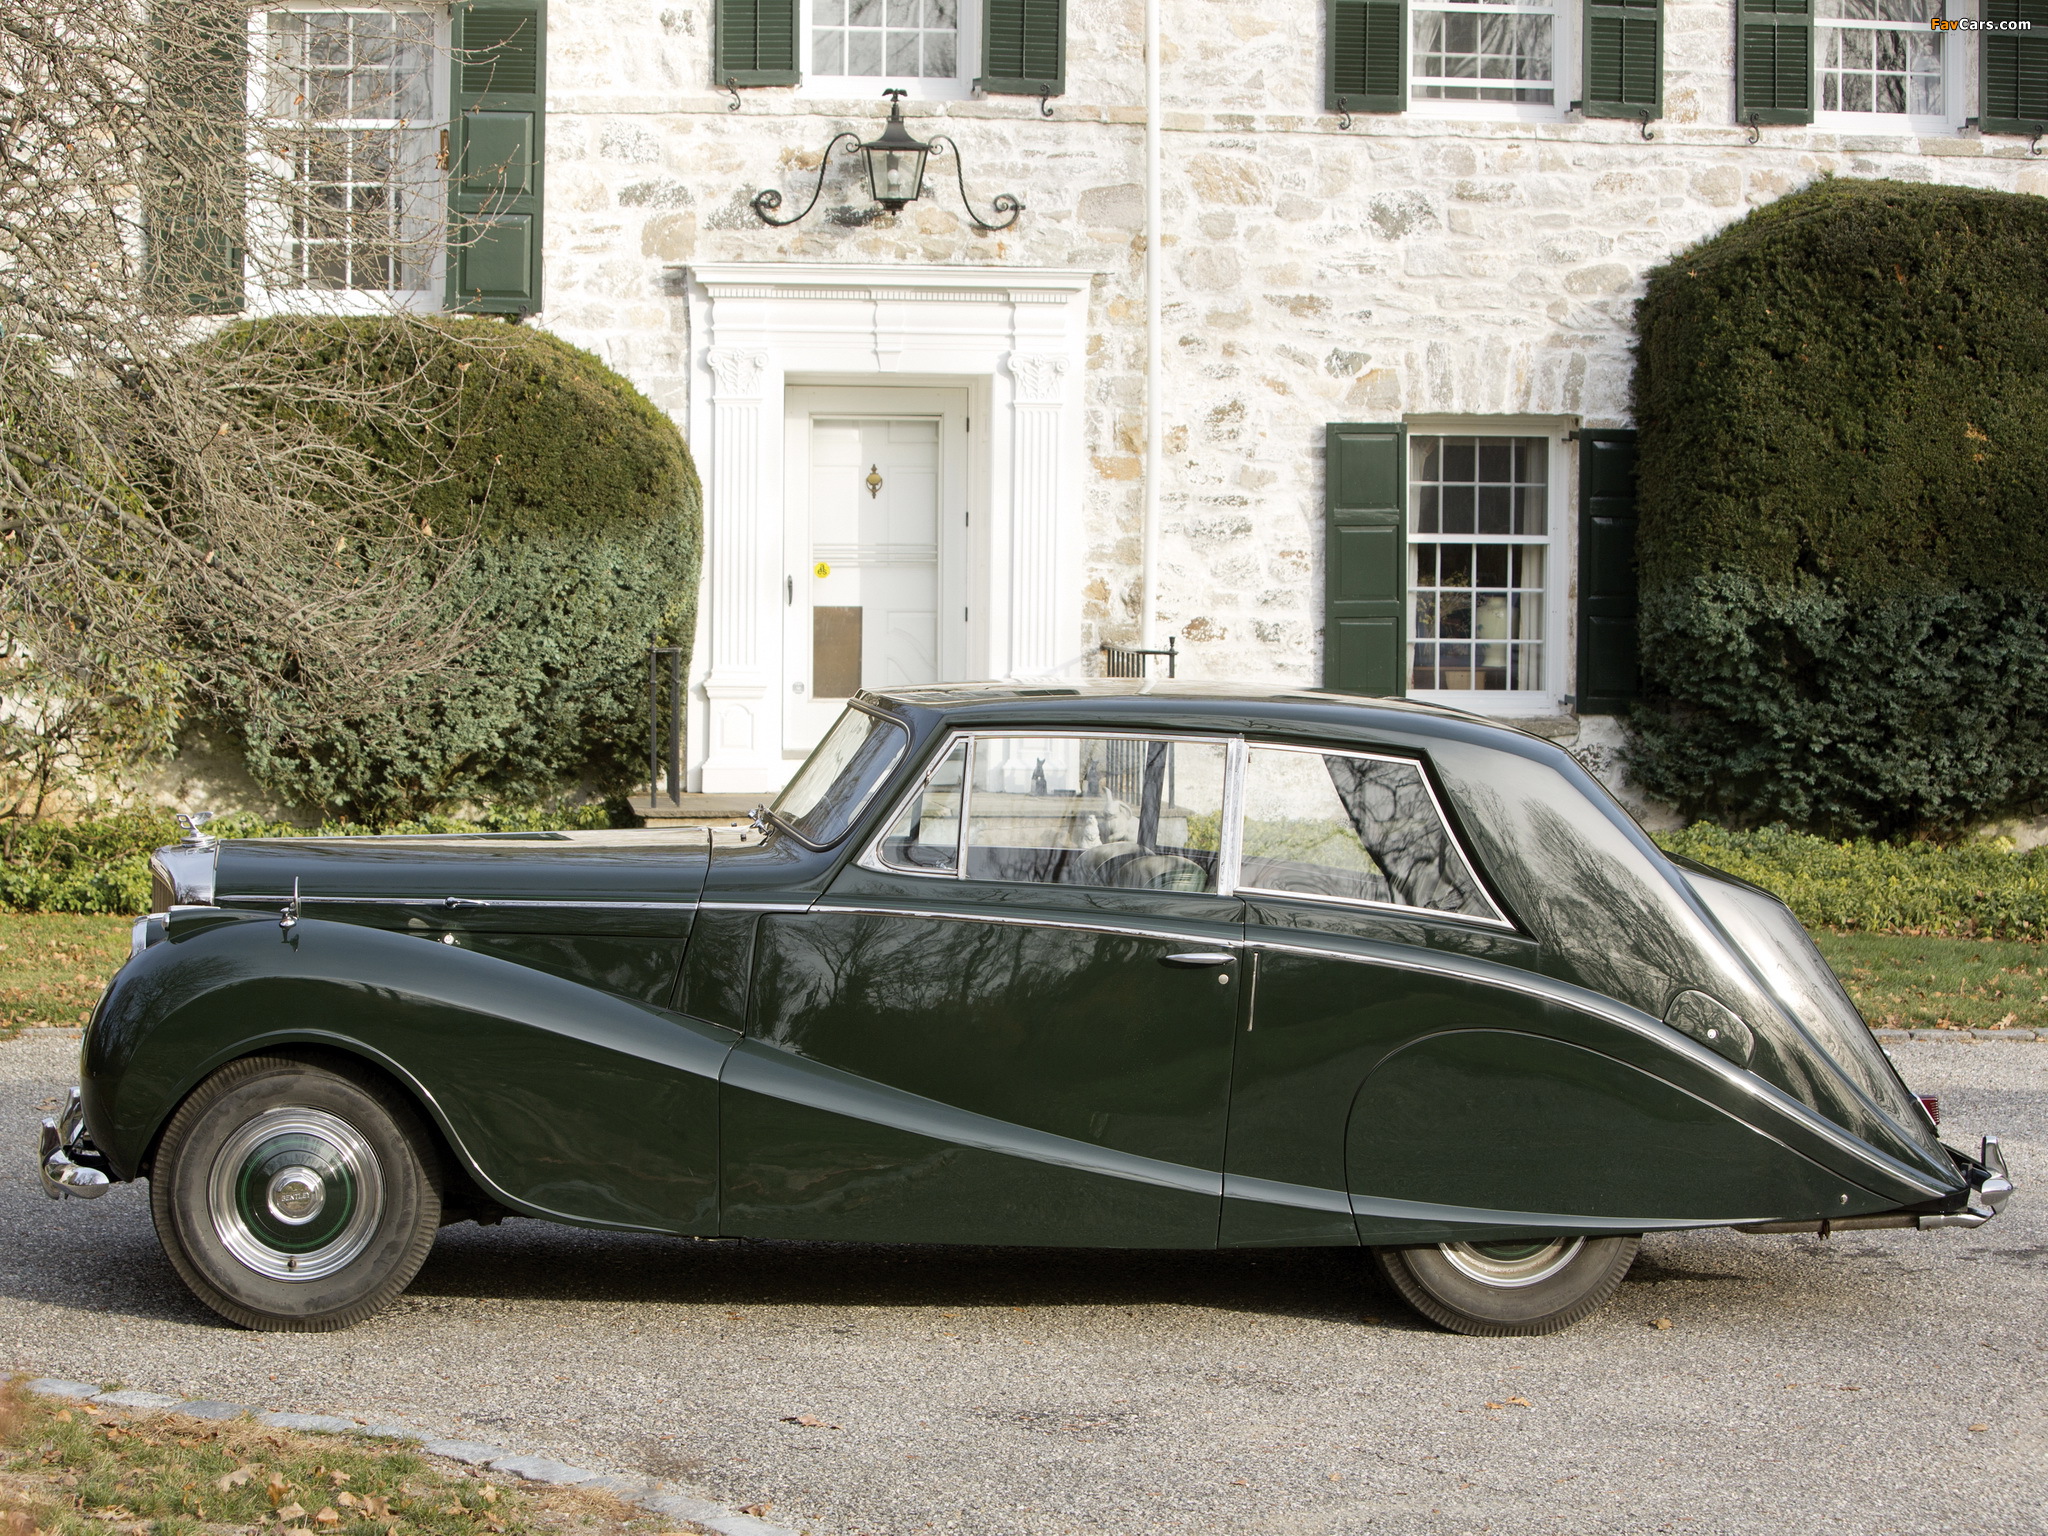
x=1117, y=964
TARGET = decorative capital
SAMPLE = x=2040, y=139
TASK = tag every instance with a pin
x=737, y=371
x=1041, y=376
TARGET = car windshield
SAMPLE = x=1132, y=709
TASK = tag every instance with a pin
x=835, y=781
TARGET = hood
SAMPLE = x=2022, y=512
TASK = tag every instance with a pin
x=664, y=865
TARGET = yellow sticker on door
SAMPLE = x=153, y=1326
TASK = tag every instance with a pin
x=821, y=570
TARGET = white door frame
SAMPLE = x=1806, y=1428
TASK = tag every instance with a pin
x=958, y=657
x=1015, y=337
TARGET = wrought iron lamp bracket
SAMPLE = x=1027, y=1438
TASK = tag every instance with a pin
x=1003, y=203
x=766, y=202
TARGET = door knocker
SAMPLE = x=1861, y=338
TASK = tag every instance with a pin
x=874, y=481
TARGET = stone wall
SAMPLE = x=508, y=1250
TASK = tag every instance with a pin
x=1409, y=264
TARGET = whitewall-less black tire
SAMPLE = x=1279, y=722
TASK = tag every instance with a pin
x=293, y=1198
x=1520, y=1287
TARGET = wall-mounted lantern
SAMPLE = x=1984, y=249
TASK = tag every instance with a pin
x=896, y=162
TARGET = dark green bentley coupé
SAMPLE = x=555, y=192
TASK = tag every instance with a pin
x=1116, y=964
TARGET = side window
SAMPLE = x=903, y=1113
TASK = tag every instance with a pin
x=926, y=837
x=1351, y=828
x=1102, y=811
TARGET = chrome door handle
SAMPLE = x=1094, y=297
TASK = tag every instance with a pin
x=1198, y=958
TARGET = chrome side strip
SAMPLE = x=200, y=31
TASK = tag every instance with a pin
x=468, y=904
x=753, y=906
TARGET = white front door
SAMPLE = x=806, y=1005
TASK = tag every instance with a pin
x=876, y=544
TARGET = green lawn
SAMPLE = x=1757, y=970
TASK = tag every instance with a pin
x=53, y=966
x=1901, y=982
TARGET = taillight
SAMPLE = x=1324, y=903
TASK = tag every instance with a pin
x=1931, y=1104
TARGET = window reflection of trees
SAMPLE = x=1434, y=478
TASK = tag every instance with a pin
x=1355, y=828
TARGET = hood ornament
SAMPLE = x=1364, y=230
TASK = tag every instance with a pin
x=288, y=919
x=193, y=823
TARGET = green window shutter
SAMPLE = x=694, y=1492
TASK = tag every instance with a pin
x=1365, y=558
x=1624, y=59
x=1607, y=572
x=194, y=216
x=497, y=134
x=756, y=42
x=1367, y=44
x=2014, y=69
x=1023, y=48
x=1774, y=61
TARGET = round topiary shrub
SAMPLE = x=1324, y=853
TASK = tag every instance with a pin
x=583, y=515
x=1843, y=483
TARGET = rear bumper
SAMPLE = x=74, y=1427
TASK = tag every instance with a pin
x=1989, y=1187
x=70, y=1165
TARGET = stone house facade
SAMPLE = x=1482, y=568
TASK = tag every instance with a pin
x=1394, y=307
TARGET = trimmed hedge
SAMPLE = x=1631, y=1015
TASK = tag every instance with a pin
x=1843, y=409
x=1980, y=890
x=101, y=863
x=587, y=517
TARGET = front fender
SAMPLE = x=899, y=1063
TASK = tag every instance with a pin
x=563, y=1101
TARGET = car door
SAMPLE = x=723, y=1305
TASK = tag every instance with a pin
x=1358, y=904
x=1011, y=1020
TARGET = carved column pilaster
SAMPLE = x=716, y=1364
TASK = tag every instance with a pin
x=736, y=521
x=1040, y=387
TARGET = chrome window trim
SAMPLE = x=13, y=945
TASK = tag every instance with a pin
x=871, y=855
x=1497, y=920
x=853, y=817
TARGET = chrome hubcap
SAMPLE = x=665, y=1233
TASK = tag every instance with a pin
x=296, y=1194
x=1510, y=1265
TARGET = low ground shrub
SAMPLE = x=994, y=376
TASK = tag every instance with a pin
x=101, y=863
x=1968, y=890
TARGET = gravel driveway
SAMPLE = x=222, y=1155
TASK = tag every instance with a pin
x=1883, y=1382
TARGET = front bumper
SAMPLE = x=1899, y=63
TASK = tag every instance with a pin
x=1990, y=1186
x=71, y=1166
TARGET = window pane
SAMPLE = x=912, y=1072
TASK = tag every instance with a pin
x=1127, y=812
x=1351, y=829
x=927, y=835
x=1483, y=50
x=1469, y=575
x=899, y=39
x=839, y=775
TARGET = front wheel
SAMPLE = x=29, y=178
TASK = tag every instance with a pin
x=1518, y=1287
x=295, y=1199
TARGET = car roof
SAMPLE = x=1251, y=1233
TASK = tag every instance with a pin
x=1280, y=707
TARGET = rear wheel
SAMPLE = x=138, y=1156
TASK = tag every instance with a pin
x=1529, y=1286
x=295, y=1199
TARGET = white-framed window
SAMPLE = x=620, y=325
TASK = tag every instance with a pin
x=1488, y=565
x=930, y=49
x=1878, y=63
x=1491, y=58
x=350, y=100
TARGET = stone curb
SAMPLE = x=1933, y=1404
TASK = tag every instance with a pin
x=1972, y=1036
x=657, y=1498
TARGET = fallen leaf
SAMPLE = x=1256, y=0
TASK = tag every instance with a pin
x=277, y=1488
x=235, y=1479
x=63, y=1415
x=292, y=1511
x=809, y=1421
x=756, y=1510
x=337, y=1478
x=1521, y=1402
x=1336, y=1477
x=329, y=1516
x=345, y=1499
x=1496, y=1405
x=1660, y=1323
x=490, y=1494
x=378, y=1507
x=1978, y=1429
